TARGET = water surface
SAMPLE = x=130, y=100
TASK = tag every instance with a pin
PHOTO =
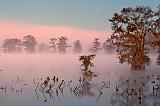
x=20, y=75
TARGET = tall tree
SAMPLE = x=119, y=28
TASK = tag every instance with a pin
x=12, y=45
x=30, y=43
x=133, y=29
x=77, y=47
x=96, y=46
x=62, y=44
x=53, y=44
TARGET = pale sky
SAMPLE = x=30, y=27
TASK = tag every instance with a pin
x=78, y=18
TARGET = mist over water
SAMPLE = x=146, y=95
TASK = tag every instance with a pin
x=28, y=67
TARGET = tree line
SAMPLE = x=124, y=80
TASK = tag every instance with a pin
x=135, y=31
x=29, y=45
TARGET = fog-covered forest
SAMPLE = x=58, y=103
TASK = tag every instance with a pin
x=29, y=44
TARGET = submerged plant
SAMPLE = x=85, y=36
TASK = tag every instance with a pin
x=86, y=61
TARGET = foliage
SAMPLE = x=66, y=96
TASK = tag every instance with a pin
x=12, y=45
x=133, y=32
x=86, y=61
x=62, y=44
x=29, y=42
x=156, y=26
x=53, y=44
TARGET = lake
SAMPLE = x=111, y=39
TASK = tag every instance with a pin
x=53, y=79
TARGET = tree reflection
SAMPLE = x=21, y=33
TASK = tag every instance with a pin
x=137, y=90
x=52, y=89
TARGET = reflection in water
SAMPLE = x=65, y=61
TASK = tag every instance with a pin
x=15, y=86
x=53, y=88
x=88, y=88
x=132, y=91
x=140, y=91
x=49, y=88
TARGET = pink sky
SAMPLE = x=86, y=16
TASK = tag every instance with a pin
x=43, y=33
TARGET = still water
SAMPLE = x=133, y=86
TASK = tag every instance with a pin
x=48, y=79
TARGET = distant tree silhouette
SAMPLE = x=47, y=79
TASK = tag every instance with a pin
x=77, y=47
x=96, y=46
x=53, y=44
x=108, y=47
x=30, y=43
x=42, y=47
x=12, y=45
x=62, y=44
x=133, y=29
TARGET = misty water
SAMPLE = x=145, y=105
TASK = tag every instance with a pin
x=21, y=73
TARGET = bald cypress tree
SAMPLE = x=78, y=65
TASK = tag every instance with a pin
x=96, y=46
x=12, y=45
x=134, y=31
x=53, y=45
x=62, y=44
x=30, y=43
